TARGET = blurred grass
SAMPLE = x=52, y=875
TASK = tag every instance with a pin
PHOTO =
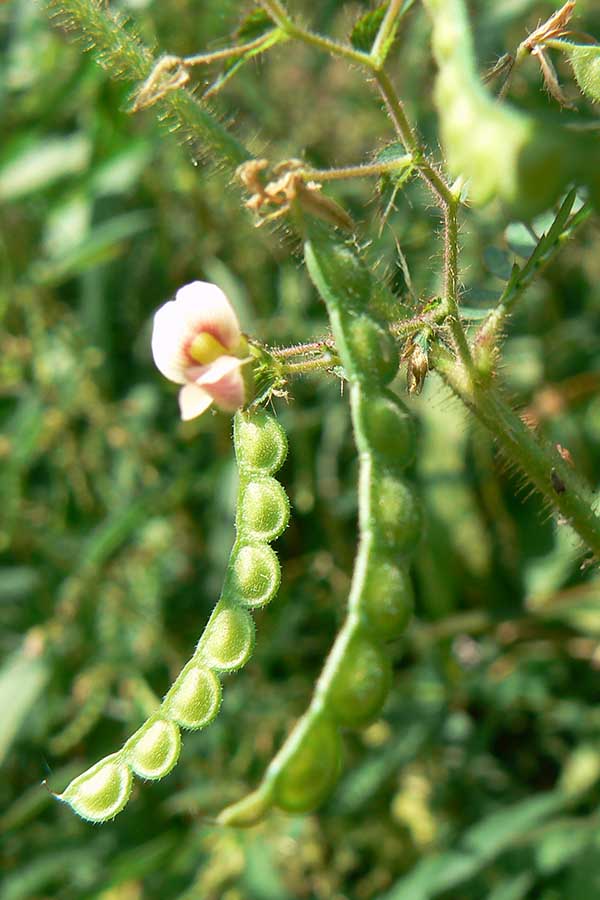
x=481, y=778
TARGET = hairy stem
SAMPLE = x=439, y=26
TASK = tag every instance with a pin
x=123, y=55
x=542, y=464
x=385, y=35
x=560, y=231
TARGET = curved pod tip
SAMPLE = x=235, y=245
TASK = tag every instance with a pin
x=100, y=793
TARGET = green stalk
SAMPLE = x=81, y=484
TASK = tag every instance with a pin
x=553, y=477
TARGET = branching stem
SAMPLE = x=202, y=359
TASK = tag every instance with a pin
x=542, y=464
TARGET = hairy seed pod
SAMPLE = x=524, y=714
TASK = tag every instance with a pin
x=101, y=792
x=387, y=598
x=339, y=274
x=373, y=350
x=261, y=442
x=397, y=515
x=524, y=159
x=311, y=770
x=252, y=579
x=229, y=638
x=265, y=510
x=154, y=750
x=388, y=428
x=195, y=698
x=247, y=811
x=255, y=575
x=361, y=684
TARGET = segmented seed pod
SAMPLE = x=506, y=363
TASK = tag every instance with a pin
x=523, y=159
x=229, y=638
x=355, y=680
x=311, y=769
x=100, y=793
x=387, y=597
x=195, y=698
x=154, y=750
x=252, y=580
x=265, y=509
x=361, y=683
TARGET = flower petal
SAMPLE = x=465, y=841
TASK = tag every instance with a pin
x=170, y=337
x=223, y=380
x=193, y=401
x=205, y=307
x=198, y=307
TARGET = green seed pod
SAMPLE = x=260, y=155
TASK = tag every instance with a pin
x=524, y=159
x=101, y=792
x=397, y=516
x=387, y=597
x=260, y=442
x=228, y=640
x=361, y=683
x=388, y=428
x=255, y=575
x=338, y=272
x=248, y=811
x=195, y=698
x=585, y=59
x=154, y=749
x=265, y=510
x=311, y=770
x=373, y=350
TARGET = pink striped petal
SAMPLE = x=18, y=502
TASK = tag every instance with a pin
x=205, y=307
x=198, y=307
x=222, y=380
x=193, y=401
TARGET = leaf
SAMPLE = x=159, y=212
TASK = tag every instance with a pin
x=585, y=60
x=365, y=29
x=255, y=24
x=520, y=239
x=513, y=888
x=22, y=680
x=36, y=164
x=498, y=262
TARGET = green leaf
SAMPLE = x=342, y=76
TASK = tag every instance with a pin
x=253, y=25
x=34, y=165
x=22, y=680
x=585, y=60
x=272, y=37
x=365, y=29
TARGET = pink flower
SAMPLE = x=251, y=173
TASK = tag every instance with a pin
x=197, y=342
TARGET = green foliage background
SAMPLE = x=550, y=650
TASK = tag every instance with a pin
x=482, y=778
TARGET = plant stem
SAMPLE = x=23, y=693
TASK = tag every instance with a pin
x=361, y=171
x=385, y=35
x=450, y=300
x=561, y=229
x=279, y=15
x=541, y=463
x=227, y=52
x=310, y=365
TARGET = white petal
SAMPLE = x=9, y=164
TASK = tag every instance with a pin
x=193, y=401
x=170, y=338
x=205, y=307
x=223, y=380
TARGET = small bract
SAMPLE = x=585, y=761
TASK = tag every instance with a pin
x=197, y=342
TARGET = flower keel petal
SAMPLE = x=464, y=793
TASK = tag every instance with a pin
x=193, y=401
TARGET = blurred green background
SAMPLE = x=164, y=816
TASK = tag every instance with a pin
x=482, y=778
